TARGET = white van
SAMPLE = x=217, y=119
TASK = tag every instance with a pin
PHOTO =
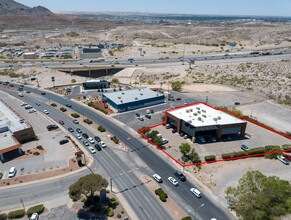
x=196, y=192
x=159, y=135
x=12, y=172
x=157, y=178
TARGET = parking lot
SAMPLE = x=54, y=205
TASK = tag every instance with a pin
x=56, y=155
x=257, y=137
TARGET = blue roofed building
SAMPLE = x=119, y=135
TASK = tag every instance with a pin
x=131, y=99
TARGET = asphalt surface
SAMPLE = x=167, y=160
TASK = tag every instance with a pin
x=131, y=186
x=181, y=194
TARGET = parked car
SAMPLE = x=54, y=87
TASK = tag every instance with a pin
x=288, y=157
x=178, y=99
x=64, y=142
x=20, y=94
x=97, y=138
x=180, y=175
x=168, y=126
x=46, y=111
x=91, y=140
x=37, y=103
x=174, y=130
x=185, y=103
x=61, y=122
x=79, y=130
x=152, y=111
x=213, y=139
x=196, y=192
x=86, y=143
x=23, y=104
x=244, y=147
x=102, y=144
x=140, y=118
x=182, y=134
x=52, y=127
x=97, y=146
x=75, y=121
x=157, y=178
x=92, y=150
x=34, y=216
x=148, y=116
x=137, y=114
x=79, y=136
x=71, y=129
x=173, y=181
x=31, y=111
x=85, y=135
x=148, y=111
x=201, y=139
x=12, y=172
x=237, y=103
x=283, y=160
x=28, y=107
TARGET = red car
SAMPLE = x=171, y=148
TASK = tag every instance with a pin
x=288, y=157
x=178, y=99
x=61, y=122
x=43, y=93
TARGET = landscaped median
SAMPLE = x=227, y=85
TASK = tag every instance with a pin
x=22, y=213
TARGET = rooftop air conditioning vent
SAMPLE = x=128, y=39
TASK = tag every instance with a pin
x=195, y=114
x=122, y=93
x=198, y=108
x=191, y=110
x=218, y=117
x=187, y=111
x=121, y=101
x=141, y=94
x=199, y=112
x=215, y=119
x=136, y=98
x=119, y=97
x=204, y=116
x=199, y=118
x=203, y=110
x=202, y=120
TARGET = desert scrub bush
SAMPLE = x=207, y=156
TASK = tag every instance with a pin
x=75, y=115
x=286, y=146
x=272, y=148
x=118, y=216
x=115, y=139
x=225, y=156
x=63, y=109
x=36, y=153
x=110, y=212
x=39, y=147
x=54, y=105
x=101, y=129
x=35, y=209
x=88, y=121
x=113, y=199
x=210, y=158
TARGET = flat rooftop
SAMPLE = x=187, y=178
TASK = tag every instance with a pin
x=132, y=95
x=200, y=115
x=6, y=140
x=10, y=119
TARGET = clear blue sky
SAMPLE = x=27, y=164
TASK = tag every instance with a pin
x=209, y=7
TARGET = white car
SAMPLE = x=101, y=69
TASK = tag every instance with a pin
x=102, y=144
x=157, y=178
x=92, y=150
x=23, y=104
x=34, y=216
x=185, y=103
x=79, y=136
x=196, y=192
x=46, y=111
x=12, y=172
x=31, y=111
x=91, y=140
x=20, y=94
x=173, y=181
x=283, y=160
x=165, y=141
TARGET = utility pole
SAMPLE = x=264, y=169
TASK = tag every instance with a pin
x=188, y=23
x=21, y=200
x=198, y=209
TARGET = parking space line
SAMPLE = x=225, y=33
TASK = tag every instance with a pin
x=128, y=138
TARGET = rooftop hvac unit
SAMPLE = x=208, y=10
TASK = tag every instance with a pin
x=136, y=98
x=189, y=121
x=202, y=120
x=204, y=116
x=199, y=118
x=203, y=110
x=195, y=114
x=122, y=93
x=187, y=111
x=119, y=97
x=218, y=117
x=198, y=108
x=199, y=112
x=141, y=94
x=121, y=101
x=191, y=110
x=215, y=119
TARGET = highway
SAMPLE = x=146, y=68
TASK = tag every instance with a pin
x=106, y=158
x=181, y=194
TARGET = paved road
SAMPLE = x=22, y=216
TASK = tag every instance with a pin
x=131, y=185
x=188, y=202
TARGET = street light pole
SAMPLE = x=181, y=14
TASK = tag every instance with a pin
x=188, y=22
x=198, y=209
x=21, y=200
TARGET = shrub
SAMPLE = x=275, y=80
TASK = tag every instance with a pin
x=116, y=203
x=16, y=214
x=87, y=202
x=110, y=212
x=97, y=108
x=272, y=148
x=96, y=199
x=113, y=199
x=104, y=210
x=122, y=211
x=187, y=218
x=88, y=121
x=75, y=115
x=36, y=153
x=73, y=80
x=63, y=109
x=3, y=216
x=115, y=139
x=163, y=197
x=257, y=150
x=54, y=105
x=39, y=147
x=118, y=216
x=240, y=154
x=159, y=191
x=35, y=209
x=107, y=191
x=101, y=129
x=115, y=80
x=83, y=199
x=225, y=156
x=286, y=146
x=98, y=208
x=210, y=158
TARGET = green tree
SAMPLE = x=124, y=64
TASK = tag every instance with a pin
x=259, y=197
x=73, y=80
x=185, y=148
x=194, y=156
x=176, y=86
x=272, y=148
x=158, y=141
x=87, y=186
x=152, y=135
x=115, y=80
x=163, y=118
x=144, y=131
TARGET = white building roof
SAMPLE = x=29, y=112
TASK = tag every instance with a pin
x=200, y=115
x=131, y=95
